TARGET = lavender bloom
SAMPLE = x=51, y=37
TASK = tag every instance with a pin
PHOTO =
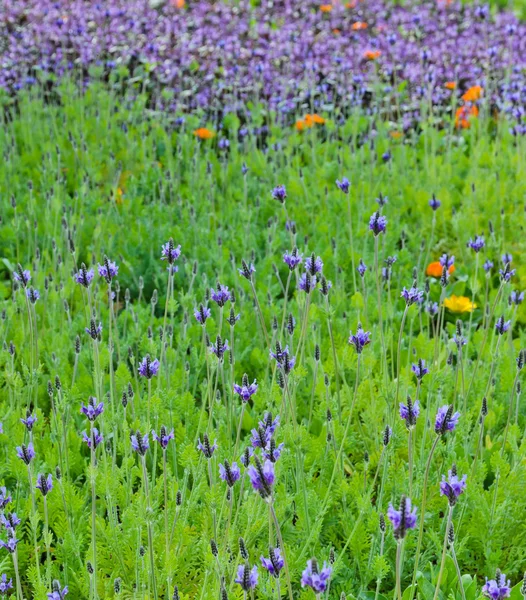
x=140, y=443
x=477, y=244
x=94, y=330
x=5, y=499
x=382, y=200
x=452, y=487
x=501, y=326
x=44, y=484
x=314, y=578
x=32, y=295
x=164, y=437
x=361, y=268
x=434, y=203
x=108, y=270
x=29, y=421
x=11, y=543
x=402, y=519
x=307, y=283
x=202, y=314
x=498, y=588
x=148, y=368
x=245, y=390
x=97, y=438
x=377, y=223
x=205, y=446
x=516, y=298
x=246, y=456
x=220, y=295
x=344, y=185
x=169, y=252
x=262, y=477
x=92, y=411
x=23, y=276
x=26, y=453
x=409, y=412
x=280, y=354
x=446, y=420
x=246, y=577
x=419, y=369
x=58, y=592
x=506, y=258
x=386, y=156
x=272, y=452
x=293, y=259
x=5, y=585
x=229, y=473
x=447, y=261
x=360, y=340
x=487, y=266
x=274, y=563
x=219, y=348
x=412, y=295
x=10, y=521
x=507, y=273
x=279, y=193
x=432, y=308
x=246, y=270
x=313, y=265
x=84, y=277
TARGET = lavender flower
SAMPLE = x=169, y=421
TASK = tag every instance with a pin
x=313, y=265
x=487, y=266
x=361, y=268
x=44, y=484
x=26, y=453
x=434, y=203
x=377, y=223
x=360, y=340
x=515, y=298
x=11, y=543
x=452, y=487
x=94, y=330
x=419, y=369
x=344, y=185
x=506, y=273
x=262, y=477
x=412, y=295
x=446, y=420
x=5, y=585
x=140, y=443
x=314, y=578
x=32, y=295
x=447, y=261
x=506, y=258
x=109, y=270
x=5, y=499
x=274, y=563
x=220, y=347
x=245, y=390
x=202, y=314
x=477, y=244
x=272, y=452
x=58, y=592
x=409, y=412
x=93, y=410
x=279, y=193
x=149, y=368
x=23, y=276
x=402, y=519
x=246, y=456
x=164, y=437
x=29, y=421
x=169, y=252
x=307, y=283
x=97, y=438
x=229, y=473
x=246, y=577
x=382, y=200
x=432, y=308
x=10, y=521
x=498, y=588
x=84, y=277
x=501, y=326
x=205, y=446
x=293, y=259
x=220, y=295
x=246, y=270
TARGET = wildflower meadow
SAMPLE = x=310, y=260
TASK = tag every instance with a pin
x=262, y=300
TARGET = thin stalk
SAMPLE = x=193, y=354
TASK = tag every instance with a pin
x=444, y=550
x=150, y=533
x=282, y=547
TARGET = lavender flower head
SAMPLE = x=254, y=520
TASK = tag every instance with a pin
x=84, y=276
x=412, y=295
x=202, y=313
x=447, y=261
x=432, y=308
x=515, y=298
x=283, y=358
x=94, y=330
x=23, y=276
x=164, y=437
x=434, y=203
x=501, y=326
x=109, y=270
x=506, y=273
x=11, y=543
x=44, y=484
x=313, y=265
x=149, y=368
x=170, y=252
x=10, y=521
x=314, y=578
x=419, y=369
x=246, y=577
x=452, y=487
x=245, y=390
x=274, y=563
x=506, y=258
x=220, y=295
x=246, y=456
x=29, y=421
x=360, y=339
x=26, y=453
x=5, y=499
x=93, y=410
x=402, y=519
x=279, y=193
x=89, y=440
x=409, y=412
x=271, y=451
x=5, y=584
x=307, y=282
x=293, y=259
x=477, y=244
x=140, y=443
x=377, y=223
x=219, y=347
x=262, y=477
x=32, y=295
x=487, y=266
x=205, y=447
x=446, y=420
x=344, y=185
x=498, y=588
x=58, y=592
x=229, y=473
x=361, y=268
x=246, y=270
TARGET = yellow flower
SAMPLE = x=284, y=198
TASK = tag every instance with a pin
x=459, y=304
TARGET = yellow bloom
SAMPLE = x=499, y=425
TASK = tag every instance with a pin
x=459, y=304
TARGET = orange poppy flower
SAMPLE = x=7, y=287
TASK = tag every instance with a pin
x=372, y=54
x=473, y=94
x=396, y=135
x=463, y=115
x=434, y=269
x=451, y=85
x=178, y=3
x=336, y=31
x=300, y=125
x=352, y=4
x=325, y=8
x=315, y=119
x=204, y=134
x=359, y=25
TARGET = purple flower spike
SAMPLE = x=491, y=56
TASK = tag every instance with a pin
x=409, y=412
x=170, y=252
x=246, y=270
x=293, y=259
x=44, y=484
x=5, y=499
x=344, y=185
x=274, y=563
x=58, y=592
x=93, y=410
x=419, y=369
x=272, y=452
x=307, y=282
x=29, y=421
x=498, y=588
x=5, y=584
x=402, y=519
x=477, y=244
x=219, y=348
x=205, y=447
x=506, y=273
x=26, y=453
x=32, y=295
x=85, y=276
x=10, y=521
x=11, y=543
x=140, y=443
x=229, y=473
x=506, y=258
x=377, y=223
x=516, y=298
x=501, y=326
x=220, y=295
x=446, y=420
x=108, y=270
x=487, y=266
x=202, y=313
x=361, y=268
x=97, y=438
x=313, y=265
x=452, y=487
x=23, y=276
x=279, y=193
x=412, y=295
x=360, y=340
x=164, y=437
x=246, y=577
x=245, y=390
x=94, y=330
x=262, y=477
x=314, y=578
x=434, y=203
x=447, y=261
x=149, y=368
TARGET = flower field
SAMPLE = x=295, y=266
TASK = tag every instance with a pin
x=262, y=319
